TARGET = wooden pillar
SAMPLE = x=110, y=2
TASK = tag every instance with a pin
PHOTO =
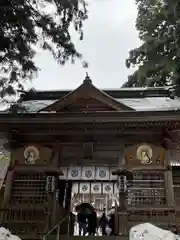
x=7, y=194
x=8, y=186
x=169, y=188
x=168, y=180
x=121, y=225
x=121, y=158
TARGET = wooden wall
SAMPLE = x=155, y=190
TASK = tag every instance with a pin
x=99, y=154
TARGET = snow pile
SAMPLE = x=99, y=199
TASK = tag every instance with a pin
x=5, y=234
x=147, y=231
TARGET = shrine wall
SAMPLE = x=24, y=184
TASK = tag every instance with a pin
x=27, y=174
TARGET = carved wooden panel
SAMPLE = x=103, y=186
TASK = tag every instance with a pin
x=144, y=154
x=30, y=155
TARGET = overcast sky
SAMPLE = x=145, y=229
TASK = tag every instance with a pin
x=109, y=34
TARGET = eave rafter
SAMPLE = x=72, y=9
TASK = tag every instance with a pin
x=150, y=117
x=85, y=132
x=117, y=122
x=122, y=126
x=67, y=139
x=82, y=131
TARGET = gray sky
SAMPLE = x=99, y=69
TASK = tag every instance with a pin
x=109, y=34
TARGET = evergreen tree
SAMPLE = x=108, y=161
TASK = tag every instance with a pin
x=157, y=59
x=27, y=23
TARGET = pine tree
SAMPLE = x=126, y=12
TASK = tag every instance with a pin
x=25, y=24
x=157, y=59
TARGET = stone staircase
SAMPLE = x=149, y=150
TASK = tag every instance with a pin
x=62, y=237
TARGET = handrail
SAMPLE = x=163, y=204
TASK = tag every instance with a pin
x=52, y=229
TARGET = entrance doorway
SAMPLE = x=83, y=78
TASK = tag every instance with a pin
x=102, y=195
x=86, y=219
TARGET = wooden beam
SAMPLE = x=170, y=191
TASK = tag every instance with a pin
x=57, y=124
x=66, y=129
x=78, y=139
x=84, y=131
x=163, y=117
x=72, y=132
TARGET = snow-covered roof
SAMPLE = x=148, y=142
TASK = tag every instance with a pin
x=138, y=104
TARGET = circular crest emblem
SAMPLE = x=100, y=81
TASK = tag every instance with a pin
x=74, y=173
x=102, y=174
x=31, y=154
x=88, y=174
x=144, y=154
x=96, y=188
x=107, y=188
x=84, y=188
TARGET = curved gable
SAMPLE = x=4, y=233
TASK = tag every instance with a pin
x=87, y=98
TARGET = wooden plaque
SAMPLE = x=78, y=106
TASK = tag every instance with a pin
x=144, y=154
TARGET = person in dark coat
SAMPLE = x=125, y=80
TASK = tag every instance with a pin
x=92, y=223
x=103, y=222
x=82, y=220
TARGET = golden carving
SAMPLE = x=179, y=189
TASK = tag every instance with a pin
x=31, y=154
x=144, y=154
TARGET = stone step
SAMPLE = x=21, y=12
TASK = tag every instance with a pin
x=53, y=237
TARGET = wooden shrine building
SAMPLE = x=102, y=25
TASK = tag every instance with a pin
x=65, y=145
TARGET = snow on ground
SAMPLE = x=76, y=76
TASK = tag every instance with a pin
x=147, y=231
x=144, y=231
x=5, y=234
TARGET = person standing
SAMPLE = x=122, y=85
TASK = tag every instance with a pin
x=82, y=221
x=103, y=222
x=92, y=223
x=112, y=221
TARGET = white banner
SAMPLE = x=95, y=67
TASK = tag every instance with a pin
x=75, y=188
x=107, y=188
x=84, y=188
x=96, y=188
x=74, y=173
x=102, y=173
x=116, y=190
x=112, y=177
x=88, y=173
